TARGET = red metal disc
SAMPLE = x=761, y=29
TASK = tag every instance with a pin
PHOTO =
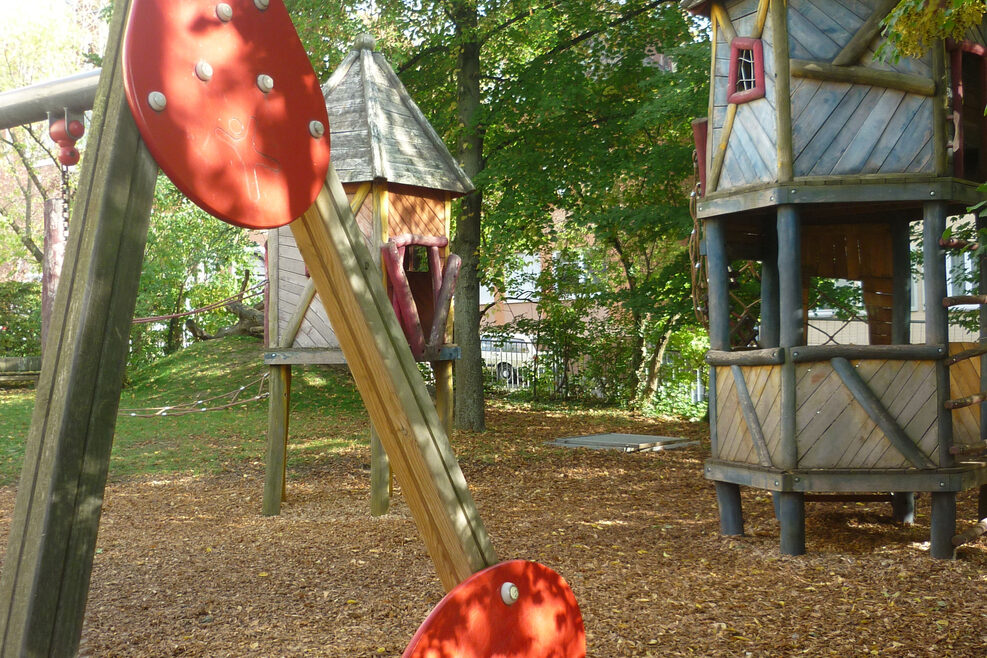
x=242, y=149
x=474, y=621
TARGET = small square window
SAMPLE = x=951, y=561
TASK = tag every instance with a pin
x=746, y=81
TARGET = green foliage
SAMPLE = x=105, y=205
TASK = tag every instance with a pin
x=20, y=319
x=914, y=25
x=191, y=260
x=686, y=355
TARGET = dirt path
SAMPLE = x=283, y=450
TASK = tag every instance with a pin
x=188, y=566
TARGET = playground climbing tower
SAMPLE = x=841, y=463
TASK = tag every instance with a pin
x=815, y=160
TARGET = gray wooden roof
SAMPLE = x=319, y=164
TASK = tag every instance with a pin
x=377, y=131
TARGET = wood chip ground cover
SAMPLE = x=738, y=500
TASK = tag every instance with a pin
x=187, y=566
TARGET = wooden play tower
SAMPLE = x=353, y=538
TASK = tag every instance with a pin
x=400, y=180
x=815, y=159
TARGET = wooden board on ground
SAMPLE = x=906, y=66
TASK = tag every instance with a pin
x=624, y=442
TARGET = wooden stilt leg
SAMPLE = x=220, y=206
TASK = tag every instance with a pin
x=982, y=502
x=277, y=439
x=792, y=522
x=903, y=507
x=49, y=554
x=731, y=513
x=380, y=476
x=943, y=524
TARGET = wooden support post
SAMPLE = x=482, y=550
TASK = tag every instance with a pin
x=791, y=519
x=943, y=525
x=936, y=318
x=444, y=388
x=731, y=514
x=391, y=386
x=982, y=502
x=865, y=34
x=719, y=291
x=769, y=326
x=982, y=289
x=778, y=15
x=903, y=507
x=901, y=286
x=48, y=561
x=275, y=465
x=791, y=330
x=380, y=467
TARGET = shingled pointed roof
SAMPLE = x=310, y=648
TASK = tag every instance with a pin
x=377, y=131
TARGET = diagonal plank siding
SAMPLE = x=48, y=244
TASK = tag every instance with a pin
x=835, y=432
x=733, y=436
x=752, y=151
x=964, y=380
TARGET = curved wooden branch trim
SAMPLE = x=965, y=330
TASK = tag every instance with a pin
x=913, y=84
x=955, y=243
x=877, y=412
x=861, y=40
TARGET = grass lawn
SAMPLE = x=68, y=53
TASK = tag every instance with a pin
x=206, y=442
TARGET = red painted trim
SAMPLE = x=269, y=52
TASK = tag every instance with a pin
x=757, y=91
x=966, y=46
x=699, y=129
x=956, y=84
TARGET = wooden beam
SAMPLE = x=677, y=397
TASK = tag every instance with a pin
x=878, y=413
x=392, y=389
x=762, y=17
x=721, y=148
x=778, y=13
x=308, y=293
x=380, y=467
x=723, y=20
x=862, y=75
x=860, y=42
x=750, y=417
x=48, y=561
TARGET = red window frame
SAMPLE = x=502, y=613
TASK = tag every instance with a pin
x=757, y=91
x=956, y=50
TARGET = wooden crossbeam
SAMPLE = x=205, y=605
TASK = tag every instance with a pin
x=391, y=386
x=816, y=70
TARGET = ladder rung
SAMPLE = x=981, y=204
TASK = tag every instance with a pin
x=964, y=299
x=967, y=354
x=969, y=400
x=954, y=243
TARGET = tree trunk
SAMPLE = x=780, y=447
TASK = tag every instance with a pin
x=653, y=378
x=469, y=369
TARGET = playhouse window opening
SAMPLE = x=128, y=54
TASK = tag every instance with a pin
x=746, y=80
x=416, y=259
